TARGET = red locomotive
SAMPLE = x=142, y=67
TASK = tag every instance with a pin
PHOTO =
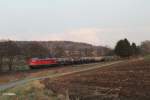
x=36, y=62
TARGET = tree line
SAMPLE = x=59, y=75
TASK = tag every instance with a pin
x=11, y=52
x=125, y=49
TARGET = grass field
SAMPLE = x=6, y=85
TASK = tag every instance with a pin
x=147, y=57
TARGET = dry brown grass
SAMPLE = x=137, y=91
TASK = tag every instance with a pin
x=126, y=81
x=31, y=91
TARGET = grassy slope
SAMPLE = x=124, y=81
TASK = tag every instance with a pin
x=31, y=91
x=147, y=57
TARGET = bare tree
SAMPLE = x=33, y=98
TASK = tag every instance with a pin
x=88, y=52
x=59, y=52
x=11, y=51
x=2, y=53
x=35, y=49
x=145, y=47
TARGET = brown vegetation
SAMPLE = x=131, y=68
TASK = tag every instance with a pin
x=8, y=51
x=145, y=47
x=126, y=81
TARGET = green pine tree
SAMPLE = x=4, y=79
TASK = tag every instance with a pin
x=123, y=48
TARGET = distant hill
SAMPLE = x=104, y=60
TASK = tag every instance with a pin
x=67, y=47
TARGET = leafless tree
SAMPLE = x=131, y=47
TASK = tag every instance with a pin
x=2, y=53
x=11, y=51
x=59, y=52
x=88, y=52
x=145, y=47
x=34, y=49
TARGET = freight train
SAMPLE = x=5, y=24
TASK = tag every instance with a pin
x=47, y=62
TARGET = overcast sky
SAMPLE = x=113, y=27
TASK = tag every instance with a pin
x=99, y=22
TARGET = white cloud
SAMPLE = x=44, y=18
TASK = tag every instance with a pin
x=88, y=35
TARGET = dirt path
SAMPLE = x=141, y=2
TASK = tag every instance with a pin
x=21, y=82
